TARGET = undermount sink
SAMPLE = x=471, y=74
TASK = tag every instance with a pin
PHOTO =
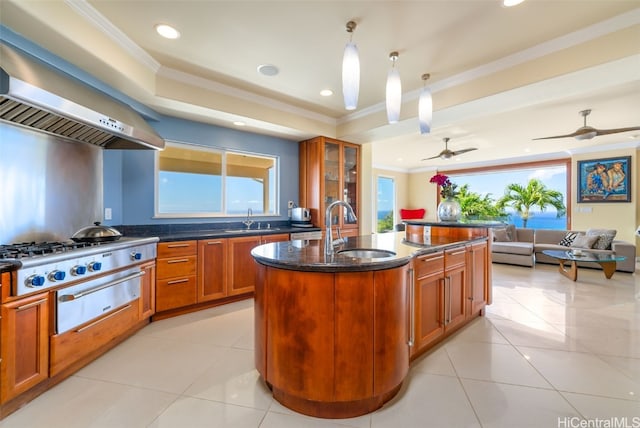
x=366, y=253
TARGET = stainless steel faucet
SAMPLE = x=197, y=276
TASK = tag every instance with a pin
x=329, y=242
x=248, y=222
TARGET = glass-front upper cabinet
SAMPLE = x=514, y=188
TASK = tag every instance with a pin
x=329, y=172
x=332, y=190
x=350, y=182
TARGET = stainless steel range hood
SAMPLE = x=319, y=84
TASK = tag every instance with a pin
x=35, y=96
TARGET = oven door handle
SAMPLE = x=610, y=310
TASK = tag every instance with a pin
x=70, y=297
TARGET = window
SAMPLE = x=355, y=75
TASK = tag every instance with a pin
x=386, y=204
x=205, y=182
x=554, y=175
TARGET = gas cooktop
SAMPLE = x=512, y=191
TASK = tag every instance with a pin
x=31, y=249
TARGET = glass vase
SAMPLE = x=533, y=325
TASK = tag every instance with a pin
x=449, y=210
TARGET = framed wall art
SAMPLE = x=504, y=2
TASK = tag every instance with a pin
x=605, y=180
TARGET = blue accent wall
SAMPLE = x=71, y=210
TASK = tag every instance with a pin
x=136, y=189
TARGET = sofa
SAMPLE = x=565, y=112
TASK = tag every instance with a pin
x=524, y=247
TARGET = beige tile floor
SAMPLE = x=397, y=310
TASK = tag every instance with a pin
x=549, y=353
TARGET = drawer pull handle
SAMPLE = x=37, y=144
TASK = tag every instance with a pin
x=214, y=242
x=177, y=245
x=177, y=261
x=177, y=281
x=457, y=253
x=31, y=305
x=70, y=297
x=86, y=327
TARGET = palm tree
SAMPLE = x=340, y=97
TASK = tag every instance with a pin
x=475, y=205
x=522, y=198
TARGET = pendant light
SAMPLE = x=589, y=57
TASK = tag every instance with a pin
x=394, y=91
x=425, y=107
x=350, y=71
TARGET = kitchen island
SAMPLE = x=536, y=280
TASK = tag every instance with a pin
x=335, y=333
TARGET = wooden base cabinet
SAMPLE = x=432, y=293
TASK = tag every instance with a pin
x=25, y=346
x=242, y=267
x=212, y=269
x=455, y=277
x=148, y=291
x=478, y=290
x=428, y=300
x=445, y=286
x=176, y=274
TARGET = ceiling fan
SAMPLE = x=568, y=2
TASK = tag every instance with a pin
x=448, y=154
x=587, y=132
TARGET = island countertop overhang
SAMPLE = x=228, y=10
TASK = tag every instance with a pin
x=303, y=255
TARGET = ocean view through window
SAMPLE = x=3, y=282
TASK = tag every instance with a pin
x=494, y=181
x=198, y=181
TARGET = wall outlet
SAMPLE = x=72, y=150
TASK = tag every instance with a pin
x=290, y=205
x=107, y=214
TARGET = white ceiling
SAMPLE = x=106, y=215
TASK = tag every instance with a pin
x=500, y=76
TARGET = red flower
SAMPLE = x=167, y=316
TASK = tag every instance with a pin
x=447, y=188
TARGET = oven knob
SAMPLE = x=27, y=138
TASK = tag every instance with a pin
x=136, y=256
x=56, y=275
x=78, y=270
x=35, y=281
x=95, y=266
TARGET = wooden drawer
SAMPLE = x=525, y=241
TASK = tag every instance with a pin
x=429, y=264
x=177, y=248
x=175, y=292
x=82, y=341
x=176, y=267
x=455, y=257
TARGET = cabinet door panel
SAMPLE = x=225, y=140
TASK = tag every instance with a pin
x=148, y=291
x=25, y=346
x=429, y=310
x=456, y=296
x=242, y=266
x=212, y=269
x=479, y=279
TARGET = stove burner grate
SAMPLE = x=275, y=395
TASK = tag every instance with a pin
x=32, y=249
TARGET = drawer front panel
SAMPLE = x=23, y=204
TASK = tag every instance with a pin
x=454, y=257
x=175, y=292
x=176, y=266
x=429, y=264
x=177, y=248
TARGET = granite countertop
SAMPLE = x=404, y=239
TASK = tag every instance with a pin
x=308, y=255
x=461, y=223
x=169, y=233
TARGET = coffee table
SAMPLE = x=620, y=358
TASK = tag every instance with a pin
x=606, y=260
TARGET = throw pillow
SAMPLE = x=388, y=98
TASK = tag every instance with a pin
x=605, y=238
x=512, y=235
x=568, y=239
x=584, y=241
x=500, y=235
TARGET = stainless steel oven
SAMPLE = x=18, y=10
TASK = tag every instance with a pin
x=91, y=280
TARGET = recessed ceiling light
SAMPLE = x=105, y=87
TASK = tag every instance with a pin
x=509, y=3
x=167, y=31
x=268, y=70
x=239, y=123
x=326, y=92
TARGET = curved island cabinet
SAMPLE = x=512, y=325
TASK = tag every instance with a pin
x=333, y=332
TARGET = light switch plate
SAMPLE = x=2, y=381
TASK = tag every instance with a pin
x=107, y=214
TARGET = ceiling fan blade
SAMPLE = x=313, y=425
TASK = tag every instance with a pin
x=459, y=152
x=615, y=131
x=432, y=157
x=573, y=134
